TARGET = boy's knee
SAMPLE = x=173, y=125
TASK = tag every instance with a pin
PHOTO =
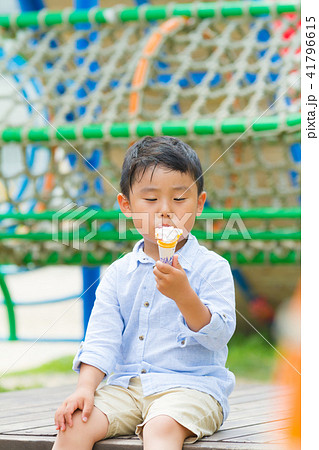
x=72, y=435
x=165, y=426
x=83, y=435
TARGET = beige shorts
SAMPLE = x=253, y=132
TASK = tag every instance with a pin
x=128, y=411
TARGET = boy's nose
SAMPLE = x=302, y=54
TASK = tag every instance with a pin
x=166, y=211
x=163, y=218
x=163, y=213
x=166, y=214
x=165, y=208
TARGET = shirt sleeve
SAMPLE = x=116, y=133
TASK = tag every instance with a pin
x=105, y=328
x=218, y=294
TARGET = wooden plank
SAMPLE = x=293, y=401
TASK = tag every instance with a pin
x=34, y=393
x=17, y=400
x=34, y=419
x=258, y=396
x=26, y=428
x=45, y=443
x=235, y=433
x=45, y=430
x=264, y=414
x=239, y=423
x=258, y=417
x=15, y=423
x=281, y=435
x=16, y=427
x=25, y=443
x=30, y=428
x=274, y=407
x=271, y=404
x=272, y=390
x=48, y=431
x=257, y=413
x=267, y=437
x=28, y=414
x=20, y=405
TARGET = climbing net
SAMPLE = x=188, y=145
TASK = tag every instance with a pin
x=78, y=87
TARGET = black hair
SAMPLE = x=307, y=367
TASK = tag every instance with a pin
x=163, y=151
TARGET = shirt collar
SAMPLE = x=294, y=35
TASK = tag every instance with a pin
x=185, y=254
x=138, y=255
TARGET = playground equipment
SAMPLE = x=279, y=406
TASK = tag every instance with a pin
x=222, y=76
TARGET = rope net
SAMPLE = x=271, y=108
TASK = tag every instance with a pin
x=75, y=95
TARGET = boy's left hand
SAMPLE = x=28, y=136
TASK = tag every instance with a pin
x=171, y=280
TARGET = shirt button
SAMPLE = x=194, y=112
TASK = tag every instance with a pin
x=183, y=342
x=146, y=304
x=143, y=371
x=141, y=338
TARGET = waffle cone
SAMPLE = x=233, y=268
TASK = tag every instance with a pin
x=166, y=253
x=167, y=244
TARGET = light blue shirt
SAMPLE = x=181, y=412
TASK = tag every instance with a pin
x=134, y=330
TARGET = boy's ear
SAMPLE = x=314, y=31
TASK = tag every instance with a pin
x=200, y=203
x=124, y=205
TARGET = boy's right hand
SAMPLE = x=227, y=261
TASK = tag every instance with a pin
x=82, y=398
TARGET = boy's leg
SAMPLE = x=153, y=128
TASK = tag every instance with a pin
x=163, y=432
x=83, y=435
x=178, y=414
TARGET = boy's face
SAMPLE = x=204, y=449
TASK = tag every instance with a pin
x=162, y=197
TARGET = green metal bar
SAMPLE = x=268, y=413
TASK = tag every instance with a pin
x=173, y=128
x=150, y=13
x=234, y=125
x=10, y=308
x=292, y=257
x=259, y=213
x=208, y=213
x=113, y=235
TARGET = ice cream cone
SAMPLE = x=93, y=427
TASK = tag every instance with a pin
x=166, y=251
x=167, y=239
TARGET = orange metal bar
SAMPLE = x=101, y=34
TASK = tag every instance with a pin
x=149, y=50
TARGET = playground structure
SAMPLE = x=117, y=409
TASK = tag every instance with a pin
x=80, y=86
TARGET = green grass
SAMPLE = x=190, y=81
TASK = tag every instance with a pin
x=60, y=365
x=57, y=366
x=21, y=387
x=251, y=357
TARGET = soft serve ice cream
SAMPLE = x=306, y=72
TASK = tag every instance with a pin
x=167, y=238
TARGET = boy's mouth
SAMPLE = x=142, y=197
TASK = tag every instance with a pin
x=163, y=225
x=159, y=223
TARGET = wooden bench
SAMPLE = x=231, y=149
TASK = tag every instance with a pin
x=259, y=419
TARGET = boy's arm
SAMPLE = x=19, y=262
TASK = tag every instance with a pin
x=209, y=317
x=174, y=284
x=98, y=354
x=90, y=377
x=83, y=397
x=196, y=314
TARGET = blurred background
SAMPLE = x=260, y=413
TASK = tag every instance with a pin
x=228, y=87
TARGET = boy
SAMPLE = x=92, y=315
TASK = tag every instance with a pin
x=159, y=332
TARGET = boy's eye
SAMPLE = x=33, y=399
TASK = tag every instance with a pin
x=150, y=199
x=180, y=199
